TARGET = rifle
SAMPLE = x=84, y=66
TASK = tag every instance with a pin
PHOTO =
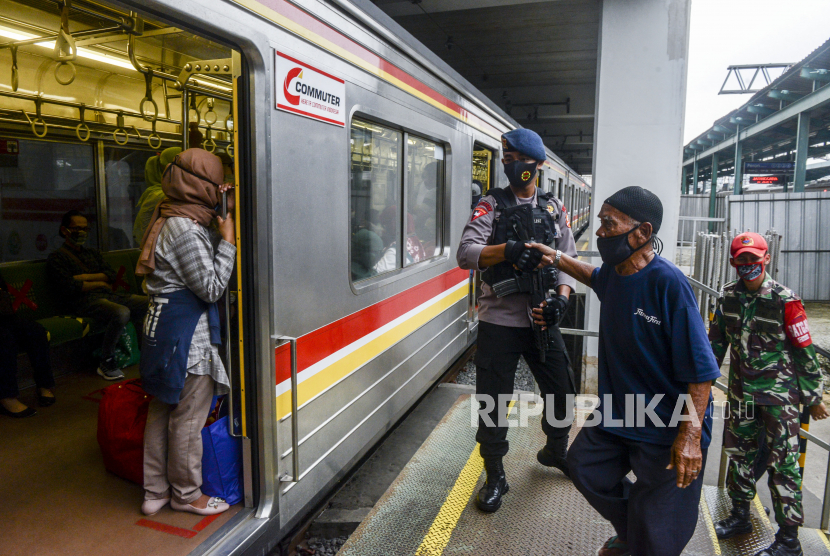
x=537, y=296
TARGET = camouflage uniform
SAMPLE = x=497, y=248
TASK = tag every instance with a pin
x=773, y=368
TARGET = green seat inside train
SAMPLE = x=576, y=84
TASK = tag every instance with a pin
x=34, y=297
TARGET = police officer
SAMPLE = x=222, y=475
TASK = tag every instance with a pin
x=494, y=242
x=773, y=368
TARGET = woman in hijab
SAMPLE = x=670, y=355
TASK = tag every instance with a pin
x=153, y=195
x=187, y=265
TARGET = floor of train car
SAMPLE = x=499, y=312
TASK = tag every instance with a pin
x=57, y=498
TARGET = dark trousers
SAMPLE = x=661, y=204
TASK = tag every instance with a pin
x=497, y=356
x=18, y=334
x=654, y=516
x=116, y=315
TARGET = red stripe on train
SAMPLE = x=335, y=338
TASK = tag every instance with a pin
x=319, y=344
x=315, y=25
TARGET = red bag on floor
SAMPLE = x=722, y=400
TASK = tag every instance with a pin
x=121, y=419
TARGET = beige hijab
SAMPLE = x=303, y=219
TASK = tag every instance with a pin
x=191, y=184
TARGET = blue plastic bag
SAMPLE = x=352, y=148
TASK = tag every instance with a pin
x=221, y=462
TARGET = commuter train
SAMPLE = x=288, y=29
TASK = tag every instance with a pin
x=353, y=149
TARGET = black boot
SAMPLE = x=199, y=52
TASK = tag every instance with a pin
x=786, y=543
x=489, y=497
x=736, y=524
x=555, y=454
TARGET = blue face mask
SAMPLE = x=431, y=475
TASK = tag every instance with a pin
x=750, y=272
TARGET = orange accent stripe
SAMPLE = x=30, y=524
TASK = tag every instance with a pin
x=164, y=528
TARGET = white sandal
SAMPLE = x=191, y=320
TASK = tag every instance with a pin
x=214, y=506
x=154, y=506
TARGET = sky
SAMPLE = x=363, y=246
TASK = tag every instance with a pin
x=731, y=32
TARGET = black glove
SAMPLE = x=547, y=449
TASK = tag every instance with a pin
x=554, y=310
x=525, y=259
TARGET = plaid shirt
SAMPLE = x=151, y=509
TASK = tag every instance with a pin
x=194, y=257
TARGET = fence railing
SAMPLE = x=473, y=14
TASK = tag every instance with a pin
x=688, y=227
x=711, y=270
x=824, y=523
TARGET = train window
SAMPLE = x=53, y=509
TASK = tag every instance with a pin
x=425, y=185
x=39, y=182
x=376, y=152
x=482, y=160
x=124, y=170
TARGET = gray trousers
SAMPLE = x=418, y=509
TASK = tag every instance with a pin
x=173, y=443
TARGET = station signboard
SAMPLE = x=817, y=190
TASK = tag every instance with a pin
x=768, y=180
x=769, y=167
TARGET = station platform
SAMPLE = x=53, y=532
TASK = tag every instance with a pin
x=429, y=509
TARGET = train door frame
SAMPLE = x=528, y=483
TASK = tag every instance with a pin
x=474, y=290
x=253, y=257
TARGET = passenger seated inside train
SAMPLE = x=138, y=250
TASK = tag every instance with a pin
x=367, y=249
x=187, y=264
x=20, y=334
x=88, y=286
x=414, y=248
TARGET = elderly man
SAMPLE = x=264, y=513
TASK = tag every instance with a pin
x=655, y=374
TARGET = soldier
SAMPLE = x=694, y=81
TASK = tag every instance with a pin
x=773, y=368
x=494, y=242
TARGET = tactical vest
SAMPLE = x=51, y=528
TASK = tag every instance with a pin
x=527, y=223
x=768, y=318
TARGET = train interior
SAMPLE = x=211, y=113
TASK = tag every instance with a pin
x=89, y=93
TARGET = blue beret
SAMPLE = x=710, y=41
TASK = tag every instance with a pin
x=526, y=142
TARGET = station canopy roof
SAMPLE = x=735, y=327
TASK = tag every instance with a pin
x=770, y=117
x=534, y=59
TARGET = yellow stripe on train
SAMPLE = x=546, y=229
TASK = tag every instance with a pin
x=314, y=385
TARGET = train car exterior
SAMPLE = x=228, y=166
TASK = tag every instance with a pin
x=335, y=120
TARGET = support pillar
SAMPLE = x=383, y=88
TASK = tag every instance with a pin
x=713, y=192
x=739, y=167
x=694, y=176
x=640, y=107
x=801, y=144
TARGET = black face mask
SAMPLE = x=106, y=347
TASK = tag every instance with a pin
x=519, y=174
x=614, y=250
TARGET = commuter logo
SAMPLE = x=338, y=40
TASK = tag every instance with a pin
x=292, y=73
x=307, y=91
x=648, y=318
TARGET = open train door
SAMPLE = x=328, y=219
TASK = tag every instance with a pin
x=234, y=341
